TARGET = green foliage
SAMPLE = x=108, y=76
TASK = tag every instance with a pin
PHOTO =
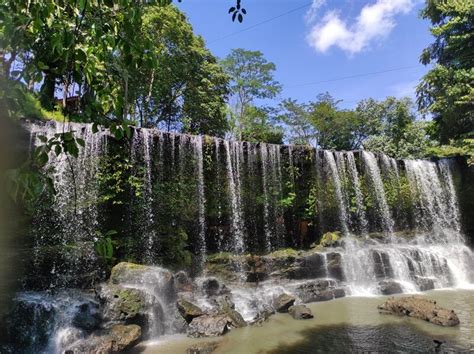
x=104, y=245
x=446, y=91
x=183, y=87
x=255, y=126
x=174, y=247
x=115, y=179
x=252, y=77
x=461, y=147
x=399, y=134
x=321, y=123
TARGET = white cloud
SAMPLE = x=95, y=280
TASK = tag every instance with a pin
x=375, y=21
x=313, y=10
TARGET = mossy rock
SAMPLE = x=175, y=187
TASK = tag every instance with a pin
x=122, y=272
x=123, y=304
x=284, y=253
x=330, y=239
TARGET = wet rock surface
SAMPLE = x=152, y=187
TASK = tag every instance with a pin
x=425, y=283
x=188, y=310
x=209, y=326
x=88, y=316
x=421, y=308
x=116, y=340
x=300, y=312
x=132, y=274
x=122, y=304
x=319, y=290
x=283, y=302
x=389, y=287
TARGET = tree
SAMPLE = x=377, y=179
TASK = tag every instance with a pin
x=447, y=90
x=396, y=130
x=323, y=124
x=86, y=47
x=184, y=88
x=252, y=77
x=257, y=126
x=295, y=117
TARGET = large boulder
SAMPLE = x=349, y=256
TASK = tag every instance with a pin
x=123, y=304
x=283, y=302
x=300, y=312
x=421, y=308
x=389, y=287
x=209, y=326
x=116, y=340
x=157, y=280
x=188, y=310
x=319, y=290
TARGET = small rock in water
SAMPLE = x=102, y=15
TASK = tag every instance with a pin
x=188, y=310
x=283, y=302
x=390, y=287
x=209, y=326
x=202, y=348
x=421, y=308
x=300, y=312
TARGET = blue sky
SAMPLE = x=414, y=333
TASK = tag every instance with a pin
x=323, y=41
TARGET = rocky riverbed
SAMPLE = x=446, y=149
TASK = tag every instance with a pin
x=142, y=303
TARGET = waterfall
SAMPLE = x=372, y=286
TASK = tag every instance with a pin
x=435, y=199
x=233, y=177
x=197, y=142
x=141, y=157
x=373, y=171
x=400, y=220
x=336, y=179
x=360, y=218
x=75, y=203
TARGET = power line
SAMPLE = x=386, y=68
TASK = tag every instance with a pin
x=357, y=75
x=260, y=23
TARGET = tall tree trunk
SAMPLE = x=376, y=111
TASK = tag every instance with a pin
x=148, y=98
x=46, y=96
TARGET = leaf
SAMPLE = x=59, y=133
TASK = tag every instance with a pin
x=57, y=150
x=81, y=142
x=42, y=138
x=42, y=159
x=111, y=233
x=241, y=18
x=234, y=16
x=244, y=11
x=232, y=9
x=95, y=128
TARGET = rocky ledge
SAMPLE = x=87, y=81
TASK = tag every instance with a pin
x=422, y=308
